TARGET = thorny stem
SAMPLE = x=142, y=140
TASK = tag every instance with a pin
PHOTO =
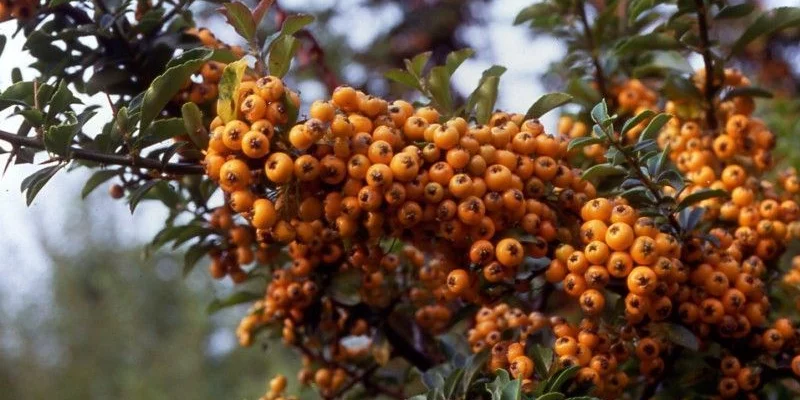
x=705, y=47
x=593, y=50
x=109, y=159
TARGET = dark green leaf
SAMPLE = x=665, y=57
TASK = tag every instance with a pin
x=344, y=287
x=562, y=378
x=451, y=387
x=535, y=11
x=486, y=98
x=291, y=109
x=679, y=335
x=747, y=91
x=36, y=181
x=193, y=123
x=138, y=194
x=680, y=88
x=240, y=18
x=735, y=11
x=56, y=3
x=647, y=42
x=539, y=363
x=581, y=142
x=164, y=88
x=633, y=122
x=546, y=103
x=159, y=131
x=654, y=127
x=456, y=58
x=473, y=368
x=193, y=255
x=232, y=300
x=439, y=84
x=417, y=64
x=20, y=93
x=58, y=138
x=552, y=396
x=403, y=77
x=512, y=390
x=495, y=388
x=602, y=171
x=295, y=22
x=699, y=196
x=2, y=43
x=202, y=53
x=281, y=53
x=96, y=180
x=768, y=22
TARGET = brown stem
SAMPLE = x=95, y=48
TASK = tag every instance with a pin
x=109, y=159
x=599, y=75
x=705, y=47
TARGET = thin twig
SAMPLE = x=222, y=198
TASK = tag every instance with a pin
x=599, y=75
x=108, y=159
x=705, y=47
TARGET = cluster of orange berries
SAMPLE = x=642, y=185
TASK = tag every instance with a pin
x=202, y=88
x=236, y=249
x=792, y=277
x=599, y=352
x=17, y=9
x=276, y=388
x=617, y=244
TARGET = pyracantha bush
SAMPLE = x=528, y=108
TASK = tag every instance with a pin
x=639, y=248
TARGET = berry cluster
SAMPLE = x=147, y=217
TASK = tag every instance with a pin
x=202, y=89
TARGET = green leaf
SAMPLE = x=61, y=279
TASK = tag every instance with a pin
x=295, y=22
x=512, y=390
x=402, y=77
x=600, y=113
x=486, y=99
x=20, y=93
x=417, y=64
x=451, y=387
x=535, y=11
x=96, y=180
x=58, y=138
x=546, y=103
x=164, y=88
x=439, y=84
x=474, y=366
x=240, y=18
x=344, y=287
x=3, y=40
x=639, y=118
x=538, y=360
x=36, y=181
x=552, y=396
x=602, y=171
x=159, y=131
x=193, y=122
x=647, y=42
x=562, y=378
x=193, y=255
x=654, y=127
x=138, y=194
x=768, y=22
x=456, y=58
x=495, y=388
x=281, y=53
x=682, y=336
x=56, y=3
x=227, y=102
x=747, y=91
x=291, y=109
x=581, y=142
x=699, y=196
x=232, y=300
x=680, y=88
x=735, y=11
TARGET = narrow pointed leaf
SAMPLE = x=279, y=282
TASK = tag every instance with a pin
x=546, y=103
